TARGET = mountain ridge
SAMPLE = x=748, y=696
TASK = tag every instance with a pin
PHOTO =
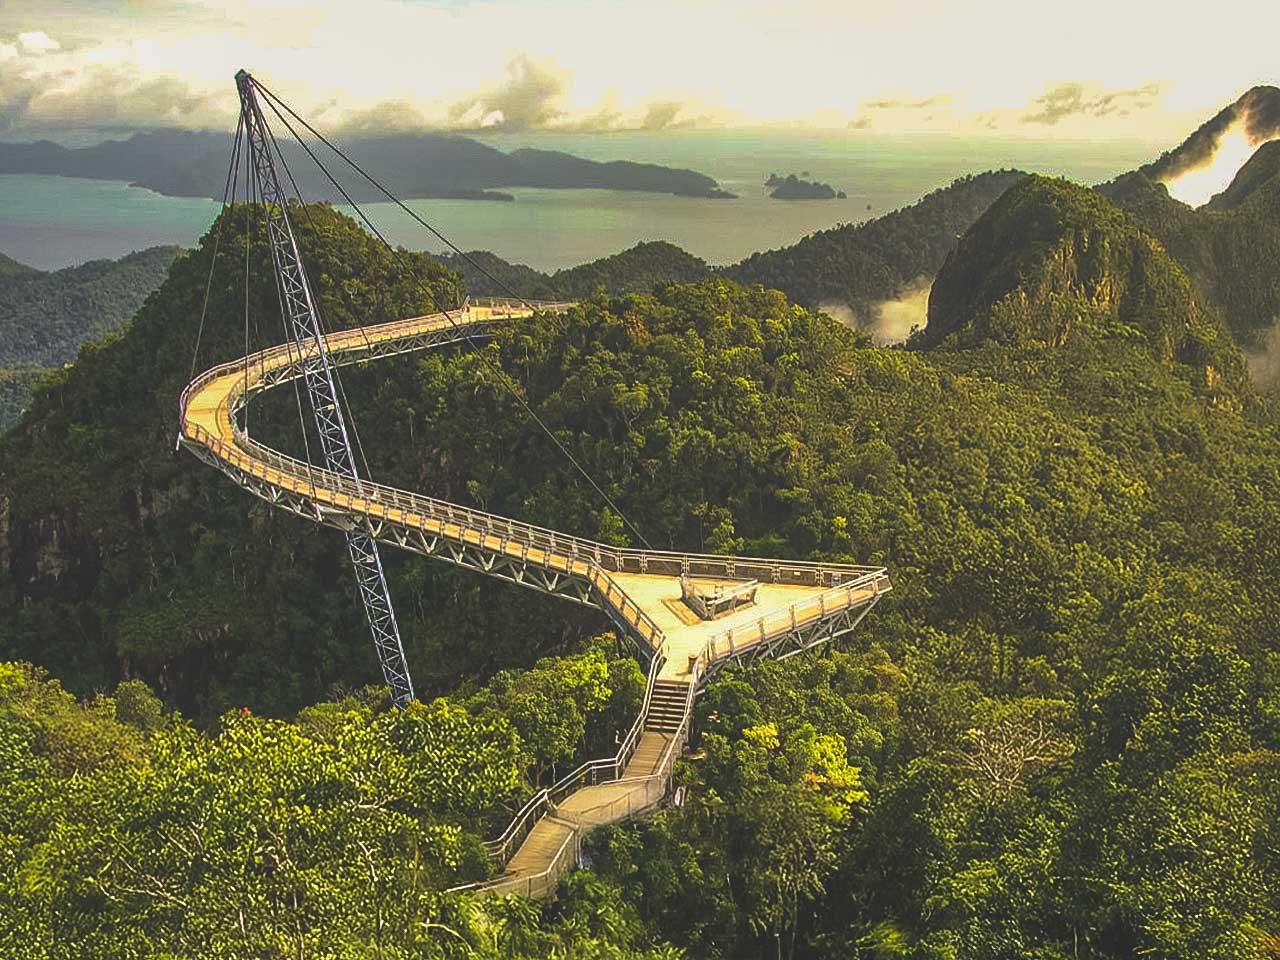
x=1052, y=261
x=194, y=164
x=1257, y=109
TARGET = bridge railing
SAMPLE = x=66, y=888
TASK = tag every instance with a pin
x=565, y=553
x=559, y=551
x=853, y=593
x=551, y=549
x=612, y=768
x=356, y=338
x=503, y=847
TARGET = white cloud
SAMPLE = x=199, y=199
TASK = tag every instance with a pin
x=531, y=94
x=623, y=65
x=37, y=42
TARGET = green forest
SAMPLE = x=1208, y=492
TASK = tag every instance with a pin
x=1059, y=737
x=46, y=316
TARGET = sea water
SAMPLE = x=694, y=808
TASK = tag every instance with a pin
x=50, y=222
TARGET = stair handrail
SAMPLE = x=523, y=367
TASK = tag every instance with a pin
x=626, y=750
x=501, y=848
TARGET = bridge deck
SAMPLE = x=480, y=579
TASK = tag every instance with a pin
x=687, y=634
x=797, y=604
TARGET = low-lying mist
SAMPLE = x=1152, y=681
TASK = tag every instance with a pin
x=890, y=321
x=1264, y=364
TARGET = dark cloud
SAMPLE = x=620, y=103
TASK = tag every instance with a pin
x=389, y=116
x=529, y=96
x=1074, y=99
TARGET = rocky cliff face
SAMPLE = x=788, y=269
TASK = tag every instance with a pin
x=1052, y=262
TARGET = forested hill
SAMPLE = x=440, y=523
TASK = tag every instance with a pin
x=854, y=266
x=122, y=554
x=637, y=270
x=12, y=268
x=1229, y=248
x=46, y=317
x=858, y=265
x=1260, y=173
x=1059, y=736
x=1053, y=262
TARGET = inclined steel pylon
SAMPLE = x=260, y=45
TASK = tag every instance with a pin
x=303, y=319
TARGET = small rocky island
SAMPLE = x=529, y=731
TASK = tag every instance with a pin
x=792, y=187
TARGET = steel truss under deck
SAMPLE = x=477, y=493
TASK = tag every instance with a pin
x=493, y=563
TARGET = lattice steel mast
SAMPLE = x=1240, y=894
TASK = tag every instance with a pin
x=303, y=319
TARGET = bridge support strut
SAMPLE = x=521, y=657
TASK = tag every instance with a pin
x=303, y=320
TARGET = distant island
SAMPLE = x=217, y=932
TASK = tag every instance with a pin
x=413, y=166
x=792, y=187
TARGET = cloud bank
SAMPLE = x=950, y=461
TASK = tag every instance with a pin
x=567, y=65
x=1075, y=100
x=530, y=95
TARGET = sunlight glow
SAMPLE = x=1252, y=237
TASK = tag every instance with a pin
x=1196, y=187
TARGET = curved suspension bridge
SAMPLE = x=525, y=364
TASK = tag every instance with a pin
x=688, y=615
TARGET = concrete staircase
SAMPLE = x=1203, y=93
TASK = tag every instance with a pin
x=666, y=709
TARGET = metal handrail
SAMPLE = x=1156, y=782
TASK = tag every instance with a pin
x=574, y=556
x=721, y=646
x=582, y=820
x=661, y=773
x=500, y=849
x=611, y=559
x=525, y=883
x=626, y=750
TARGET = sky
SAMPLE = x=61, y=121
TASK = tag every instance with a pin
x=1092, y=69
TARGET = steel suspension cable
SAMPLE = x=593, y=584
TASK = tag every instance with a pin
x=233, y=174
x=500, y=374
x=377, y=185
